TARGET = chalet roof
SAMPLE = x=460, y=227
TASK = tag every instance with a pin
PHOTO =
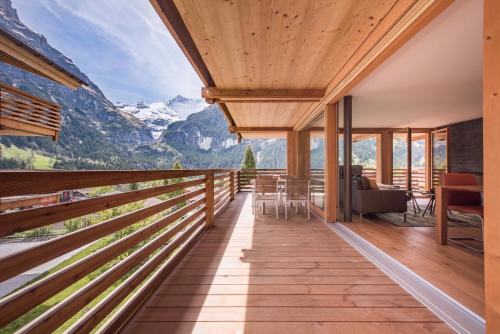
x=272, y=66
x=16, y=52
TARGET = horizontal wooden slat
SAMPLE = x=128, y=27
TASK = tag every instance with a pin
x=28, y=219
x=27, y=121
x=220, y=177
x=57, y=315
x=128, y=309
x=20, y=111
x=15, y=183
x=19, y=262
x=221, y=194
x=17, y=91
x=103, y=308
x=25, y=299
x=221, y=205
x=16, y=127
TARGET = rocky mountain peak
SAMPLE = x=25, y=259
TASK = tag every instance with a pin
x=8, y=10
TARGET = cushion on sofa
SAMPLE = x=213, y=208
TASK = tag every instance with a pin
x=373, y=183
x=365, y=184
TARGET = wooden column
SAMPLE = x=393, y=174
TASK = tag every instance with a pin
x=491, y=160
x=304, y=154
x=384, y=152
x=331, y=161
x=292, y=153
x=428, y=161
x=209, y=200
x=408, y=159
x=298, y=153
x=348, y=158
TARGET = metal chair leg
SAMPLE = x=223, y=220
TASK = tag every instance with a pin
x=428, y=207
x=457, y=240
x=308, y=211
x=276, y=206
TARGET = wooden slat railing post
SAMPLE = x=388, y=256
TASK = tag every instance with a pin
x=231, y=185
x=239, y=180
x=209, y=200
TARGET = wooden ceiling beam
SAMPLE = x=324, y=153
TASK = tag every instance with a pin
x=240, y=129
x=402, y=22
x=214, y=94
x=369, y=131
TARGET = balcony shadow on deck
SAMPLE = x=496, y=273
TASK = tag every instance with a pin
x=258, y=275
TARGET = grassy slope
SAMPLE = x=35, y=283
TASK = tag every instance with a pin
x=39, y=161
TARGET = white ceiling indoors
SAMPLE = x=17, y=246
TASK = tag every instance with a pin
x=435, y=79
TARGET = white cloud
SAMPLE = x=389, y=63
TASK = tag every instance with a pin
x=155, y=60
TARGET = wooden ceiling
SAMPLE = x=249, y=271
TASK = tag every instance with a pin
x=274, y=54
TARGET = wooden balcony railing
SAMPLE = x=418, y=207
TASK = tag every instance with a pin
x=245, y=176
x=417, y=178
x=399, y=176
x=25, y=114
x=140, y=244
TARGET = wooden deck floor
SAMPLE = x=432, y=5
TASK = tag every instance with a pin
x=259, y=275
x=455, y=270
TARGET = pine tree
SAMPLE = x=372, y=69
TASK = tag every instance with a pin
x=249, y=160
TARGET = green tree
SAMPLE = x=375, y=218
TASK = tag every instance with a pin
x=249, y=160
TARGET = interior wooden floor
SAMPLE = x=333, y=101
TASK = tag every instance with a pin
x=259, y=275
x=455, y=270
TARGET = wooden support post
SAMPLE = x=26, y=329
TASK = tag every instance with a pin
x=209, y=200
x=428, y=161
x=231, y=185
x=238, y=174
x=298, y=144
x=348, y=158
x=331, y=161
x=408, y=160
x=491, y=160
x=303, y=156
x=291, y=153
x=441, y=216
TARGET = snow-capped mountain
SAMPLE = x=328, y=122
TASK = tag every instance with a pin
x=97, y=134
x=158, y=115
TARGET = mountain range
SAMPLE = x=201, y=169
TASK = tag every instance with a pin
x=158, y=115
x=97, y=133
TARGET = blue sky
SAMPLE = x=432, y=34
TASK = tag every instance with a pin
x=122, y=45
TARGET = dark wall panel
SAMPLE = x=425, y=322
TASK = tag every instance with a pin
x=466, y=147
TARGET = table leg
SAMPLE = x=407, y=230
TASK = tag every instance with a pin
x=441, y=217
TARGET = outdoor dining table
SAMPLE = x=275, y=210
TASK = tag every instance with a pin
x=441, y=236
